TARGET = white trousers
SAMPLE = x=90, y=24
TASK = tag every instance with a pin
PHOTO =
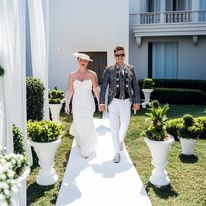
x=119, y=115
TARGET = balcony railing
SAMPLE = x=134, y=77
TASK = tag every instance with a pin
x=168, y=17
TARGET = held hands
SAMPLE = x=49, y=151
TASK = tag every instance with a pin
x=102, y=108
x=67, y=110
x=136, y=106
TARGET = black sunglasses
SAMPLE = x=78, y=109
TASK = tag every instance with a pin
x=119, y=55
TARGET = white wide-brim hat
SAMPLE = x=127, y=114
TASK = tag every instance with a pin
x=83, y=56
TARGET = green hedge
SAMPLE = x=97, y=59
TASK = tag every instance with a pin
x=179, y=83
x=179, y=96
x=18, y=141
x=35, y=98
x=172, y=126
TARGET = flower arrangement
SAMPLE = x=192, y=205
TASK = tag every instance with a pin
x=148, y=83
x=11, y=167
x=1, y=71
x=156, y=122
x=189, y=129
x=56, y=96
x=44, y=131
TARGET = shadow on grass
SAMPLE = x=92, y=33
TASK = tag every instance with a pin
x=35, y=191
x=188, y=158
x=163, y=192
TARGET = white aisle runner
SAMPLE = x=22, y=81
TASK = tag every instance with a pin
x=98, y=181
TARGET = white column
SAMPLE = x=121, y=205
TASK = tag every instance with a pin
x=162, y=10
x=195, y=8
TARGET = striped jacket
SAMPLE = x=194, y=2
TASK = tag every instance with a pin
x=110, y=78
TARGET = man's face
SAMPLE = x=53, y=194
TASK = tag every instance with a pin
x=119, y=56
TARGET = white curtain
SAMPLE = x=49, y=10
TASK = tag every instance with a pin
x=38, y=17
x=165, y=60
x=12, y=59
x=13, y=87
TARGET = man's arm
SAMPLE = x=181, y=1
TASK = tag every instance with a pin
x=136, y=98
x=103, y=87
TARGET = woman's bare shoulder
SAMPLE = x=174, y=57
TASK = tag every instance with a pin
x=72, y=74
x=92, y=73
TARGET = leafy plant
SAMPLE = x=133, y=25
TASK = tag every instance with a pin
x=190, y=129
x=148, y=83
x=56, y=96
x=172, y=127
x=156, y=123
x=18, y=141
x=1, y=71
x=44, y=131
x=35, y=98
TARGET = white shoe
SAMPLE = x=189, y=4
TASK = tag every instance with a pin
x=121, y=146
x=117, y=158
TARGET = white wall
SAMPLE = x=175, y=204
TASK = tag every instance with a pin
x=191, y=60
x=78, y=25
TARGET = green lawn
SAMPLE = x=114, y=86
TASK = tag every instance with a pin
x=187, y=175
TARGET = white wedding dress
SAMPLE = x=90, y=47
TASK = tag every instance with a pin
x=83, y=108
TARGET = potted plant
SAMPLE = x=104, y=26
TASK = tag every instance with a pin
x=56, y=97
x=147, y=89
x=188, y=132
x=14, y=171
x=158, y=141
x=45, y=137
x=1, y=71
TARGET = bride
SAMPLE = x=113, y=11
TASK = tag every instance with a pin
x=80, y=85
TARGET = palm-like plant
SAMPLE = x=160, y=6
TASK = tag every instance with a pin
x=156, y=122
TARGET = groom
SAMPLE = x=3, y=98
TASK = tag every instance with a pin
x=123, y=91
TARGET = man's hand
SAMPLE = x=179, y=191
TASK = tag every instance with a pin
x=102, y=108
x=136, y=107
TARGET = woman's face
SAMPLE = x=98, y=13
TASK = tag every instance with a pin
x=83, y=62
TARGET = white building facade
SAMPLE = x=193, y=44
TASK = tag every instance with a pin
x=162, y=38
x=168, y=38
x=94, y=27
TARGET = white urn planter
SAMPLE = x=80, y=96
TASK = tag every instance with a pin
x=18, y=198
x=147, y=93
x=46, y=153
x=55, y=111
x=159, y=151
x=188, y=146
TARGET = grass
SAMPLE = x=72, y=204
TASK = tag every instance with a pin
x=187, y=174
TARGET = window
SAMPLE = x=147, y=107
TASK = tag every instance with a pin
x=163, y=60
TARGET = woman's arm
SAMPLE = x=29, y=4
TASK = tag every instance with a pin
x=95, y=86
x=69, y=93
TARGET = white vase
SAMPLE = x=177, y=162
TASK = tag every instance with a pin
x=147, y=93
x=187, y=145
x=18, y=198
x=46, y=153
x=55, y=111
x=159, y=151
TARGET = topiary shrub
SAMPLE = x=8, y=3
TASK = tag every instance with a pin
x=35, y=98
x=44, y=131
x=18, y=141
x=190, y=129
x=56, y=96
x=172, y=127
x=202, y=120
x=148, y=83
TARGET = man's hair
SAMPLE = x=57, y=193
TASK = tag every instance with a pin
x=118, y=48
